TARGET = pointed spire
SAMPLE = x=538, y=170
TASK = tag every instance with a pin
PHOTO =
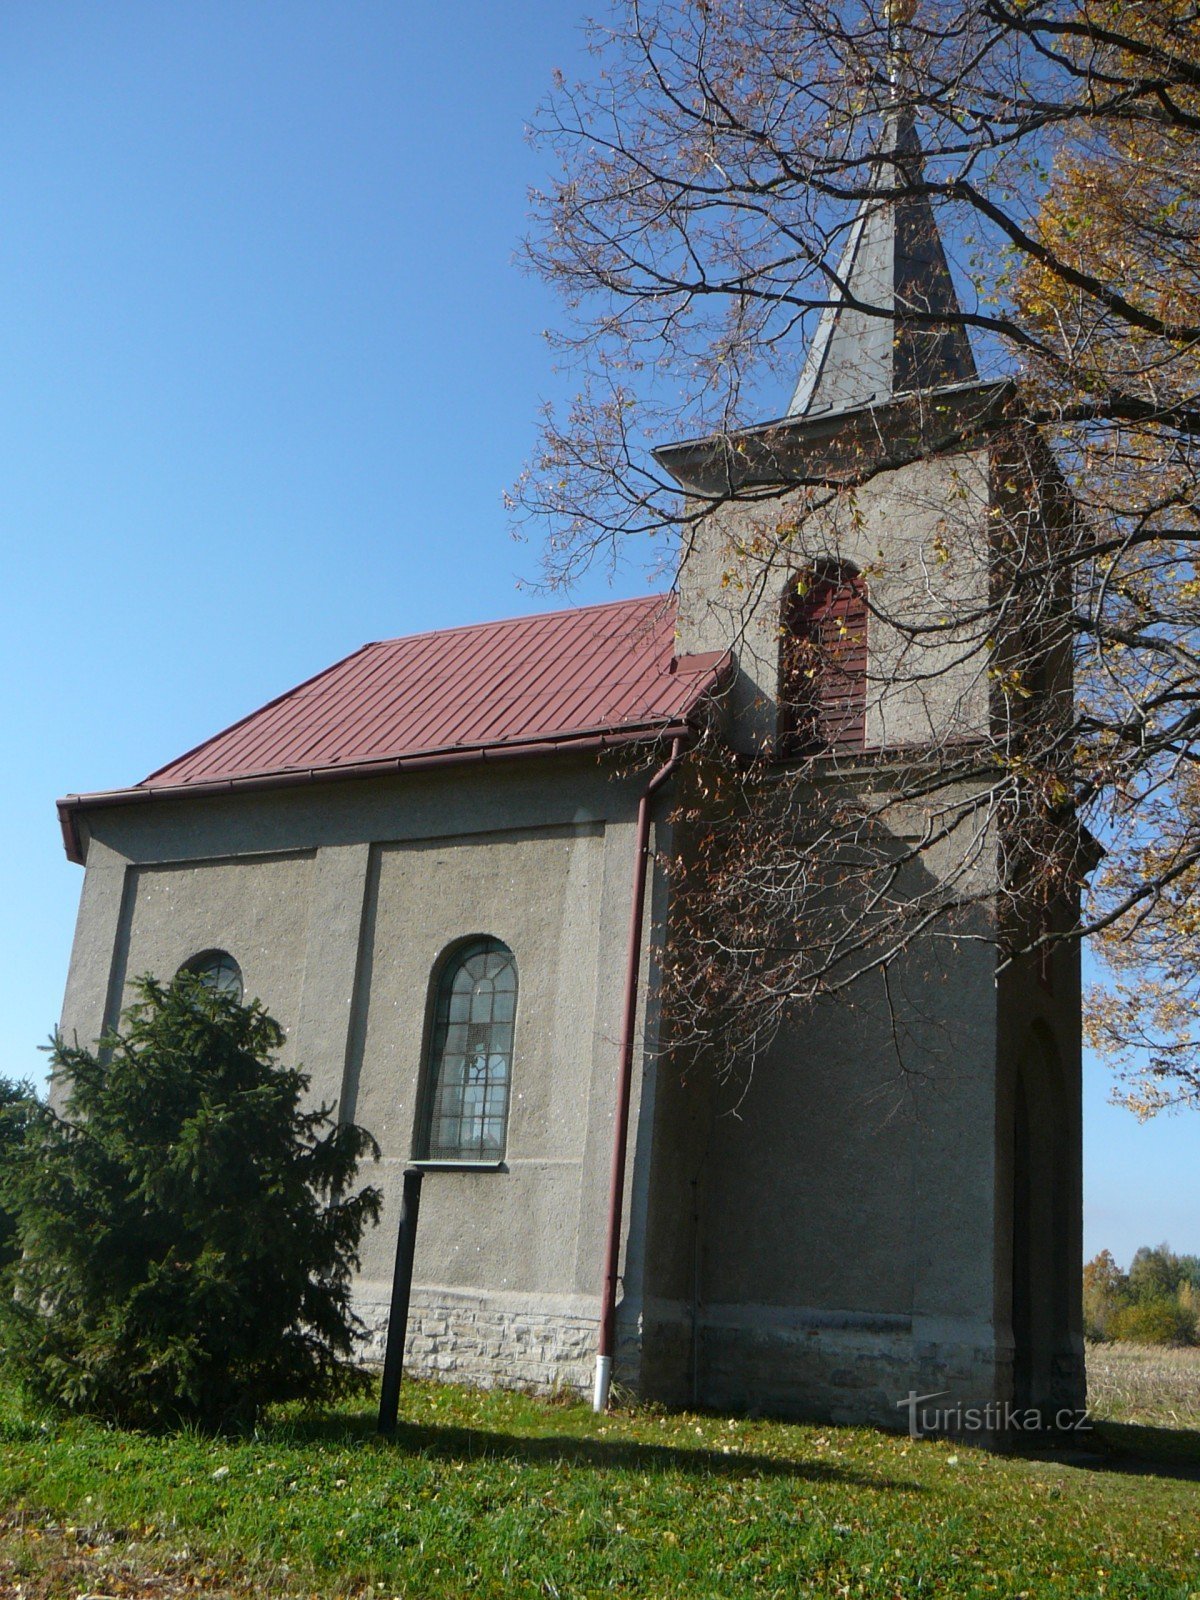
x=894, y=262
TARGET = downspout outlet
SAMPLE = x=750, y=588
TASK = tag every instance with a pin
x=603, y=1380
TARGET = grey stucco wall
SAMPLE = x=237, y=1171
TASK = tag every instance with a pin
x=824, y=1227
x=516, y=1229
x=257, y=907
x=815, y=1236
x=338, y=904
x=1040, y=1035
x=919, y=535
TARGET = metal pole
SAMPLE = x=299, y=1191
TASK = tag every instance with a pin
x=393, y=1356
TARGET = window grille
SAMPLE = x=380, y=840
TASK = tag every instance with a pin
x=470, y=1055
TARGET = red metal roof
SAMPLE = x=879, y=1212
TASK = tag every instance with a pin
x=530, y=683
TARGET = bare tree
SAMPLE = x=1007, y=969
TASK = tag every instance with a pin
x=1034, y=628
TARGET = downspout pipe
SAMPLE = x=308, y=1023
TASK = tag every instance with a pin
x=616, y=1192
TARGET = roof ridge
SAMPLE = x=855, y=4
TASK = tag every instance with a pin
x=666, y=598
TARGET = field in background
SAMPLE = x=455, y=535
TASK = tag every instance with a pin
x=1144, y=1383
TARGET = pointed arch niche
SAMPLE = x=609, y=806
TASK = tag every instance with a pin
x=823, y=661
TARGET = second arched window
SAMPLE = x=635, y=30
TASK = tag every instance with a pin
x=470, y=1055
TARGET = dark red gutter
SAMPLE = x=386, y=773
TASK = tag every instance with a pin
x=71, y=805
x=616, y=1191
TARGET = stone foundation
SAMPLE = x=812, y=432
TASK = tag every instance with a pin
x=829, y=1366
x=491, y=1339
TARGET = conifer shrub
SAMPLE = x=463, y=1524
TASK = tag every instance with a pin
x=187, y=1224
x=17, y=1105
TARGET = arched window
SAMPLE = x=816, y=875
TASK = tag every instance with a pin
x=823, y=662
x=217, y=970
x=470, y=1055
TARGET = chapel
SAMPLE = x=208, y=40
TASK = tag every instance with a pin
x=441, y=864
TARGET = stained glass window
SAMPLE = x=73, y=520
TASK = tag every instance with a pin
x=470, y=1058
x=216, y=970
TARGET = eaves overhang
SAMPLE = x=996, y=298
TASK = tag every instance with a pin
x=833, y=446
x=571, y=742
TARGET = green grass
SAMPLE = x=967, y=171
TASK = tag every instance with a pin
x=501, y=1494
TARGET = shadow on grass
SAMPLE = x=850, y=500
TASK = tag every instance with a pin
x=447, y=1442
x=1133, y=1448
x=1141, y=1448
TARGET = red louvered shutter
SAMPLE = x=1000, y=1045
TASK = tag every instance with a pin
x=823, y=666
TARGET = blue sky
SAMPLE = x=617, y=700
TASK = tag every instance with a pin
x=268, y=366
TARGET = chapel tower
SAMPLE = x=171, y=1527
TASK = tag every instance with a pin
x=831, y=1227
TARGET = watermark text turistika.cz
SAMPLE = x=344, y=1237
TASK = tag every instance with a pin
x=996, y=1416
